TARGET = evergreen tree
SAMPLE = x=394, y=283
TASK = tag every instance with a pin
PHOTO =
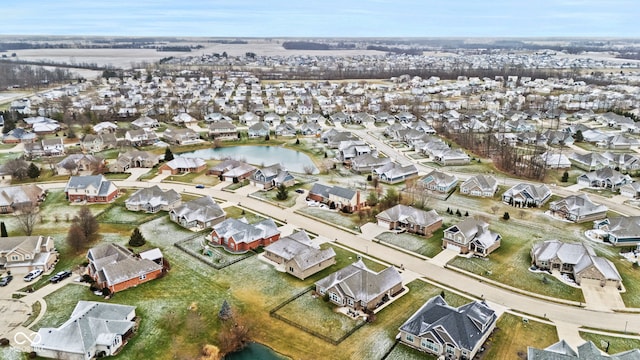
x=466, y=213
x=283, y=193
x=267, y=138
x=136, y=238
x=225, y=312
x=506, y=216
x=565, y=176
x=3, y=230
x=168, y=155
x=33, y=171
x=458, y=213
x=579, y=137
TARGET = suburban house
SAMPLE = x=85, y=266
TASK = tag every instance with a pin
x=451, y=157
x=140, y=137
x=94, y=330
x=200, y=213
x=336, y=197
x=630, y=190
x=14, y=198
x=348, y=150
x=153, y=199
x=105, y=127
x=299, y=255
x=605, y=178
x=365, y=163
x=359, y=288
x=408, y=218
x=527, y=195
x=232, y=170
x=619, y=231
x=46, y=147
x=449, y=332
x=76, y=163
x=439, y=182
x=145, y=122
x=479, y=185
x=183, y=165
x=90, y=189
x=553, y=160
x=42, y=125
x=260, y=129
x=271, y=176
x=587, y=351
x=590, y=161
x=21, y=254
x=223, y=130
x=239, y=236
x=134, y=159
x=577, y=208
x=184, y=119
x=471, y=235
x=577, y=260
x=180, y=136
x=96, y=143
x=114, y=267
x=18, y=135
x=392, y=173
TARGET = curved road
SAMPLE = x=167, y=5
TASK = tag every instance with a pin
x=619, y=322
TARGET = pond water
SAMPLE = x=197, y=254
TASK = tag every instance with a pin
x=292, y=160
x=256, y=351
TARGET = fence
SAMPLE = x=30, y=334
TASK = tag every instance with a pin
x=180, y=245
x=273, y=313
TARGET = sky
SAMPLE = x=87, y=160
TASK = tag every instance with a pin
x=324, y=18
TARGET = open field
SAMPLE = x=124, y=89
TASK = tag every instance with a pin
x=512, y=336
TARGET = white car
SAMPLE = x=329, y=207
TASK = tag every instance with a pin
x=32, y=275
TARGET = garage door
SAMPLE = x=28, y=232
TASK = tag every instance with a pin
x=453, y=247
x=166, y=172
x=589, y=282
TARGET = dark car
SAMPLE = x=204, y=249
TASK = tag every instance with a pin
x=60, y=276
x=6, y=280
x=300, y=191
x=199, y=186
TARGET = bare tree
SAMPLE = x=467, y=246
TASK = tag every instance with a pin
x=28, y=217
x=76, y=238
x=87, y=222
x=17, y=168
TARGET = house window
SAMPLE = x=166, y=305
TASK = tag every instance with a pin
x=409, y=337
x=14, y=257
x=143, y=276
x=430, y=345
x=290, y=268
x=449, y=349
x=335, y=298
x=350, y=302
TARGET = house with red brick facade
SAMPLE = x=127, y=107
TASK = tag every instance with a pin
x=90, y=189
x=116, y=268
x=413, y=220
x=239, y=236
x=182, y=165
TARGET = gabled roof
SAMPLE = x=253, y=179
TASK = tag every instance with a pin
x=154, y=196
x=411, y=215
x=360, y=283
x=536, y=192
x=484, y=182
x=91, y=323
x=587, y=351
x=181, y=162
x=576, y=254
x=203, y=210
x=114, y=264
x=465, y=325
x=578, y=204
x=20, y=194
x=242, y=232
x=82, y=182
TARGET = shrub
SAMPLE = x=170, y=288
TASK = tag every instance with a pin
x=506, y=216
x=4, y=342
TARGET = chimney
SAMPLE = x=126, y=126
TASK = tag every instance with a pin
x=357, y=199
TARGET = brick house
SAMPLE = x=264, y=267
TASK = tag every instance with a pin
x=240, y=236
x=413, y=220
x=90, y=189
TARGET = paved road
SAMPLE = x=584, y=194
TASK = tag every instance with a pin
x=566, y=314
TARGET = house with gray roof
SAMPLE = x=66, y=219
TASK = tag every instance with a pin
x=349, y=149
x=14, y=198
x=359, y=288
x=413, y=220
x=577, y=260
x=180, y=136
x=145, y=122
x=94, y=329
x=630, y=190
x=439, y=182
x=96, y=143
x=21, y=254
x=153, y=199
x=619, y=231
x=140, y=137
x=311, y=129
x=239, y=236
x=448, y=332
x=393, y=173
x=479, y=185
x=90, y=189
x=232, y=170
x=527, y=195
x=448, y=157
x=605, y=178
x=183, y=165
x=223, y=130
x=299, y=256
x=337, y=197
x=578, y=209
x=198, y=214
x=18, y=135
x=114, y=267
x=260, y=129
x=587, y=351
x=365, y=163
x=79, y=163
x=134, y=159
x=471, y=235
x=271, y=177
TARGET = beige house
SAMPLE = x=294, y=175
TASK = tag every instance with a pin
x=299, y=255
x=471, y=235
x=21, y=254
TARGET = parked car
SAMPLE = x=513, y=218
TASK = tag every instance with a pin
x=300, y=191
x=32, y=275
x=60, y=276
x=199, y=186
x=6, y=280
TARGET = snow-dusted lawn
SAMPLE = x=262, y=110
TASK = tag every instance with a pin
x=419, y=244
x=163, y=232
x=331, y=216
x=9, y=353
x=56, y=205
x=60, y=304
x=403, y=352
x=120, y=215
x=216, y=256
x=317, y=315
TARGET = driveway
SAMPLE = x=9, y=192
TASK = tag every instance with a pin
x=371, y=230
x=443, y=257
x=13, y=313
x=601, y=298
x=136, y=173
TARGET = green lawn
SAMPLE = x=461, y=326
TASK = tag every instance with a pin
x=349, y=221
x=616, y=344
x=512, y=336
x=429, y=247
x=271, y=196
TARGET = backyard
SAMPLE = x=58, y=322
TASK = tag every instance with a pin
x=428, y=247
x=513, y=335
